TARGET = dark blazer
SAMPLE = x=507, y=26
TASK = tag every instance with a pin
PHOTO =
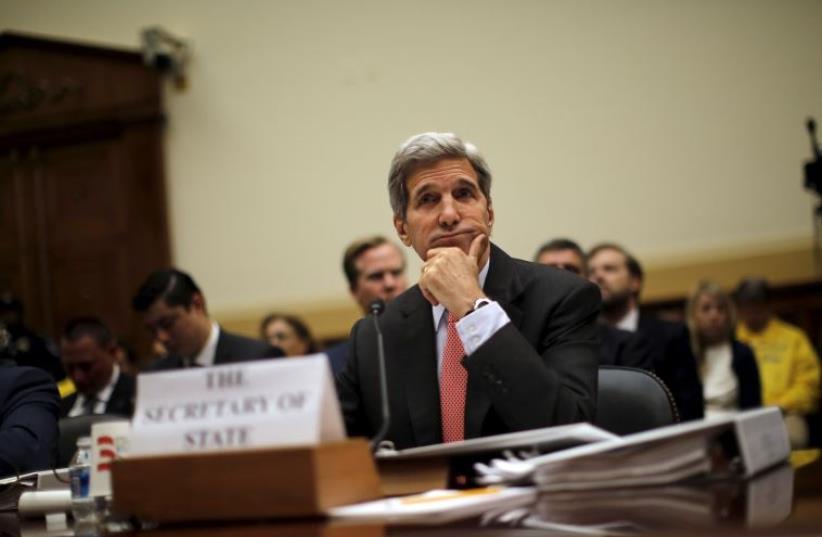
x=338, y=355
x=674, y=363
x=29, y=404
x=27, y=349
x=744, y=367
x=120, y=403
x=230, y=348
x=538, y=370
x=623, y=348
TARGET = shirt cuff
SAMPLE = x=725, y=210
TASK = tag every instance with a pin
x=478, y=326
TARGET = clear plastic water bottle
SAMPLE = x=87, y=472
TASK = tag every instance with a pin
x=82, y=503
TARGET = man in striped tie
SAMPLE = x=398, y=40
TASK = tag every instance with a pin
x=484, y=344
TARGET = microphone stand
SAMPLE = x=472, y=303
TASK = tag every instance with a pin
x=813, y=181
x=377, y=308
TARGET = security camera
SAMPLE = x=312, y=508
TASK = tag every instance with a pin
x=166, y=53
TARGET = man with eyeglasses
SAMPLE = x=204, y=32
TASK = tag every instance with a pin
x=174, y=311
x=616, y=347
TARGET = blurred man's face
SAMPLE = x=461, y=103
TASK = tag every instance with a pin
x=182, y=331
x=608, y=269
x=88, y=364
x=563, y=259
x=380, y=275
x=754, y=315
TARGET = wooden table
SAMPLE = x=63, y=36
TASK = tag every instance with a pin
x=784, y=501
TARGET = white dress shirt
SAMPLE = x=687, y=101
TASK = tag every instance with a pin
x=475, y=328
x=630, y=322
x=102, y=396
x=206, y=356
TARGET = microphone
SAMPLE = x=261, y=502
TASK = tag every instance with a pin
x=813, y=168
x=811, y=126
x=376, y=308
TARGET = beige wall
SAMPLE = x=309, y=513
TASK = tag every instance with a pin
x=674, y=127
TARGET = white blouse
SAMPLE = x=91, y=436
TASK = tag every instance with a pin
x=719, y=383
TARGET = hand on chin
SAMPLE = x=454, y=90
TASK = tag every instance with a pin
x=450, y=275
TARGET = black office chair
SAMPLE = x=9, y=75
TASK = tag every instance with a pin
x=631, y=400
x=73, y=428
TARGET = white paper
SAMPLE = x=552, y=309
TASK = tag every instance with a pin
x=762, y=439
x=436, y=505
x=546, y=439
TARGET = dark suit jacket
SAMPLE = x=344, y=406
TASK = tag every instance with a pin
x=27, y=349
x=623, y=348
x=29, y=404
x=120, y=403
x=338, y=355
x=538, y=370
x=675, y=364
x=230, y=348
x=744, y=367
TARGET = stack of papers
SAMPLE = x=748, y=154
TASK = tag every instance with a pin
x=451, y=465
x=738, y=445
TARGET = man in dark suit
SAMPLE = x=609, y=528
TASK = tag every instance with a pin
x=28, y=419
x=88, y=351
x=484, y=344
x=616, y=347
x=174, y=311
x=375, y=270
x=619, y=276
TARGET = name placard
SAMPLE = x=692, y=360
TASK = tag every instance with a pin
x=282, y=402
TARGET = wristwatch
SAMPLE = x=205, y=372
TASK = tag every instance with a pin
x=478, y=303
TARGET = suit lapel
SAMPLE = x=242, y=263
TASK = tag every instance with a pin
x=502, y=285
x=67, y=403
x=118, y=400
x=221, y=353
x=418, y=362
x=113, y=397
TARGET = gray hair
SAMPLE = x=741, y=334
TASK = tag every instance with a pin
x=427, y=149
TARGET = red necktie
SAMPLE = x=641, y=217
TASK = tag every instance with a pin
x=453, y=383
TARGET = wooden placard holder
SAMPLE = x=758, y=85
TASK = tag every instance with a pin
x=250, y=484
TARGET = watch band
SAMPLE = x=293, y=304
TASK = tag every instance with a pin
x=478, y=303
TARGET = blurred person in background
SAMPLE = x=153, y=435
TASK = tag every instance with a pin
x=29, y=406
x=174, y=312
x=21, y=345
x=727, y=368
x=620, y=278
x=616, y=347
x=375, y=270
x=788, y=365
x=89, y=353
x=289, y=333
